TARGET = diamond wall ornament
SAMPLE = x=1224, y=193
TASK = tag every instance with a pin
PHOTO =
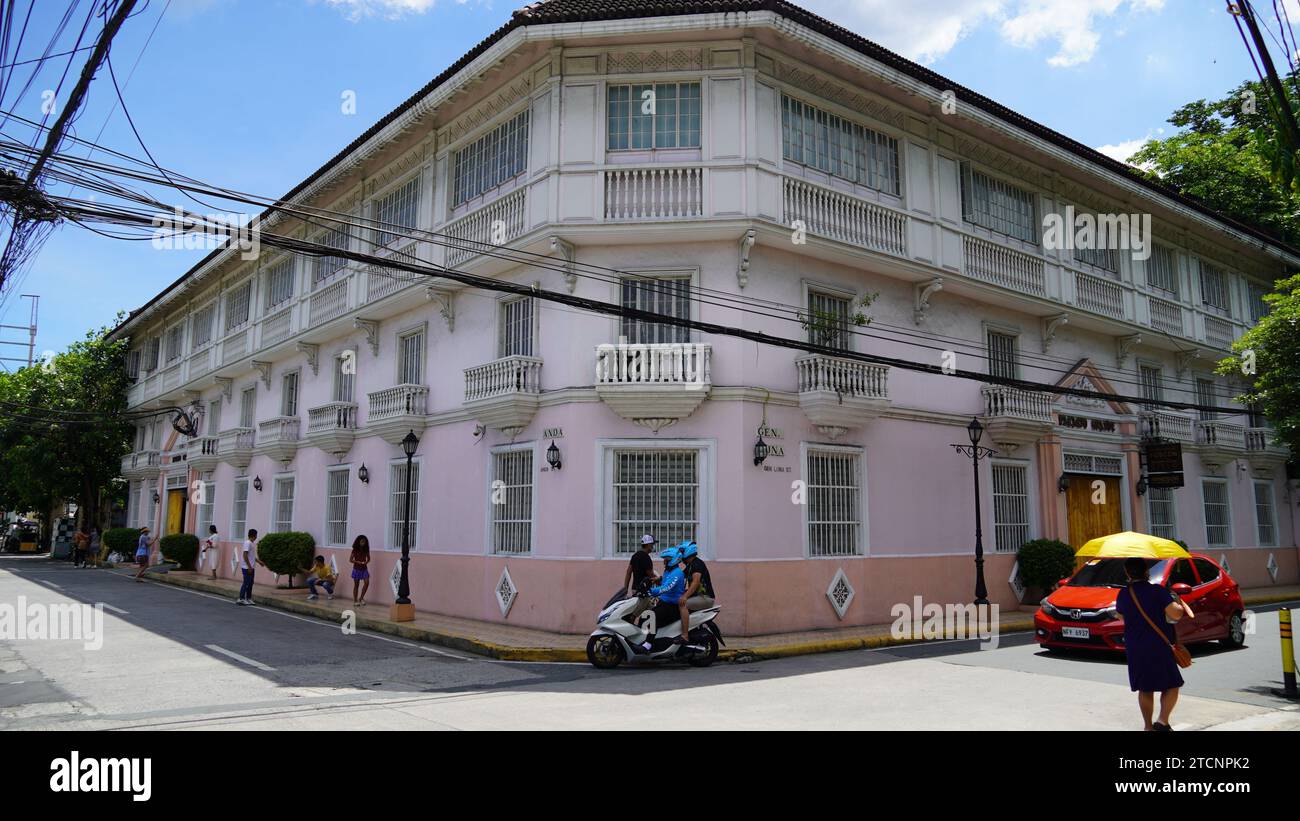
x=1223, y=562
x=840, y=593
x=395, y=578
x=1272, y=567
x=1016, y=586
x=506, y=592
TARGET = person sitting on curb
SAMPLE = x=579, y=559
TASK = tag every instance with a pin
x=321, y=574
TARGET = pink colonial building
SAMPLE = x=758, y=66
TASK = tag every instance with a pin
x=741, y=163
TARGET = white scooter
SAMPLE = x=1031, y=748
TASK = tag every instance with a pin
x=616, y=640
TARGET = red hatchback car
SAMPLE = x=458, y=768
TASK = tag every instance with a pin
x=1081, y=612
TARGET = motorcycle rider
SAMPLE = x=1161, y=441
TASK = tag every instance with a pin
x=699, y=587
x=671, y=589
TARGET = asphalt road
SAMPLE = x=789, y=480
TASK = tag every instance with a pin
x=178, y=659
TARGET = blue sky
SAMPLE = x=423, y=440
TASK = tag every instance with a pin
x=248, y=93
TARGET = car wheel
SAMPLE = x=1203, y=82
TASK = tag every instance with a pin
x=1236, y=631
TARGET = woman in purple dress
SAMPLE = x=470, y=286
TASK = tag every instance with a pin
x=1151, y=665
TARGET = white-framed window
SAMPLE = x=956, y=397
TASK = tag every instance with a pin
x=397, y=503
x=998, y=206
x=1214, y=288
x=655, y=488
x=344, y=378
x=1152, y=379
x=661, y=294
x=1162, y=512
x=207, y=501
x=834, y=509
x=1206, y=395
x=1004, y=354
x=818, y=139
x=1162, y=270
x=492, y=160
x=642, y=117
x=516, y=324
x=132, y=506
x=282, y=505
x=239, y=510
x=1255, y=299
x=336, y=506
x=322, y=268
x=247, y=404
x=1218, y=512
x=289, y=394
x=279, y=283
x=175, y=343
x=133, y=364
x=1011, y=524
x=237, y=302
x=204, y=324
x=828, y=319
x=1265, y=515
x=511, y=500
x=147, y=491
x=214, y=417
x=410, y=357
x=152, y=353
x=396, y=210
x=1104, y=259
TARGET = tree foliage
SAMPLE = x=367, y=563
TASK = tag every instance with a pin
x=1269, y=355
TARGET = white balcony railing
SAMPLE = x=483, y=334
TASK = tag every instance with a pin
x=1166, y=425
x=277, y=327
x=1166, y=316
x=332, y=417
x=235, y=347
x=171, y=378
x=1007, y=267
x=235, y=440
x=654, y=193
x=201, y=447
x=494, y=224
x=846, y=377
x=510, y=375
x=278, y=431
x=1101, y=296
x=402, y=400
x=845, y=218
x=1218, y=332
x=1017, y=403
x=653, y=364
x=1222, y=434
x=328, y=303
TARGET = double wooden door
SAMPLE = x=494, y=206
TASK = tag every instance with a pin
x=1095, y=508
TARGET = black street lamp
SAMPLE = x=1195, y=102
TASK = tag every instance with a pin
x=409, y=444
x=976, y=432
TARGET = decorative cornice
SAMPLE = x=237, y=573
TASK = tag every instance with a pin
x=654, y=60
x=487, y=110
x=834, y=89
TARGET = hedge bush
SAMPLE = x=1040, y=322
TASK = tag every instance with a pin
x=121, y=540
x=182, y=548
x=287, y=553
x=1044, y=562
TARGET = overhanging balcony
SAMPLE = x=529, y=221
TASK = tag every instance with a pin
x=1220, y=442
x=1264, y=450
x=333, y=427
x=1015, y=417
x=396, y=411
x=278, y=438
x=235, y=446
x=839, y=395
x=1159, y=424
x=202, y=453
x=504, y=394
x=145, y=464
x=653, y=385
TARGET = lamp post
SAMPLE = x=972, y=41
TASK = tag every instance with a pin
x=976, y=432
x=403, y=609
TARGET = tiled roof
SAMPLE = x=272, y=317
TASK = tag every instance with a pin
x=577, y=11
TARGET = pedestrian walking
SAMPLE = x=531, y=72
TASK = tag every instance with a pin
x=211, y=549
x=360, y=559
x=95, y=546
x=247, y=560
x=143, y=548
x=1150, y=613
x=79, y=541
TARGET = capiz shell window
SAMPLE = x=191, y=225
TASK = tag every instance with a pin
x=663, y=115
x=998, y=206
x=398, y=209
x=492, y=160
x=821, y=140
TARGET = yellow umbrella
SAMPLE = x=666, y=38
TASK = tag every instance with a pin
x=1129, y=544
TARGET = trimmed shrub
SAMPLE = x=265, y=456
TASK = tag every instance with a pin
x=1044, y=562
x=121, y=540
x=287, y=553
x=182, y=548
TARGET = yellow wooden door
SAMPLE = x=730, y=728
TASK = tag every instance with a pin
x=175, y=511
x=1094, y=509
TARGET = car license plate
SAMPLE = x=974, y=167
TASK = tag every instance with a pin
x=1076, y=633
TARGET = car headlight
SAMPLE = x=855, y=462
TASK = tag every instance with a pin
x=1111, y=614
x=1047, y=607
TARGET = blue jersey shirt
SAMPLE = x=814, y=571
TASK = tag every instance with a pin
x=671, y=587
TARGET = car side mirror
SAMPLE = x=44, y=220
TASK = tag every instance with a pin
x=1182, y=589
x=1063, y=582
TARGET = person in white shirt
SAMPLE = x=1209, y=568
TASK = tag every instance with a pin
x=211, y=547
x=247, y=559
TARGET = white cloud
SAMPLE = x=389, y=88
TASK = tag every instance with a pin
x=1122, y=151
x=391, y=9
x=1072, y=26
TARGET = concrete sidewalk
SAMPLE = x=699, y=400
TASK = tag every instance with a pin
x=508, y=643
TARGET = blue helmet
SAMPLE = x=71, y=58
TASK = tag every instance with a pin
x=672, y=555
x=689, y=550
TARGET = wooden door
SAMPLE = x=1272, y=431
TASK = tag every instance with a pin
x=175, y=512
x=1094, y=510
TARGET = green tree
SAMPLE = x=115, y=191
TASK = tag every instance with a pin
x=1269, y=356
x=1226, y=155
x=62, y=430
